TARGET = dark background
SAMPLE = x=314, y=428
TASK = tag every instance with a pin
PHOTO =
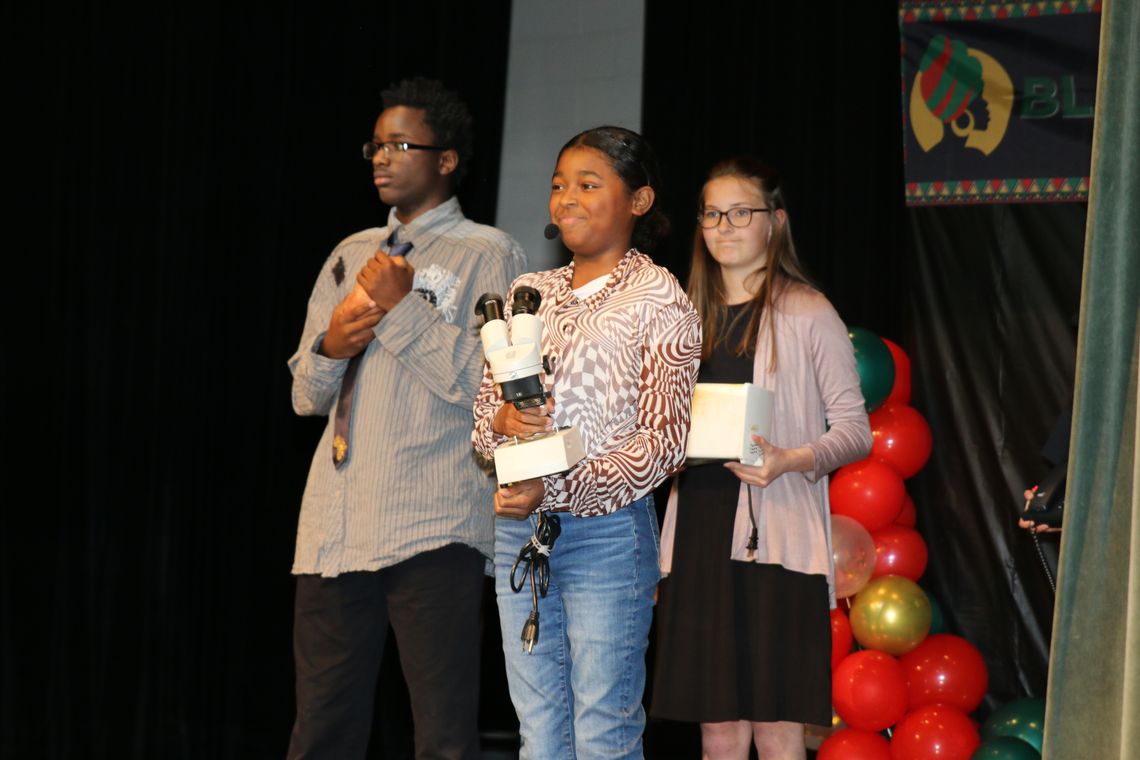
x=185, y=171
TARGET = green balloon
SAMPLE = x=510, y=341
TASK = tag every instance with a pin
x=1005, y=748
x=1022, y=719
x=937, y=621
x=875, y=365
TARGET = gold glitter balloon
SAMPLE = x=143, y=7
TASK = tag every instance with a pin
x=891, y=614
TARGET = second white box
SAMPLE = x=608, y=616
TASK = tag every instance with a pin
x=725, y=417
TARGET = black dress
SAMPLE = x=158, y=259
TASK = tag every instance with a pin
x=735, y=640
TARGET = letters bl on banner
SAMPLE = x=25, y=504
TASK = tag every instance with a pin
x=998, y=100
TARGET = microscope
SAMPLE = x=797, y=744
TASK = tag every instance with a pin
x=517, y=365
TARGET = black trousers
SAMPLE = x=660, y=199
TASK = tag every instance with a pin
x=433, y=602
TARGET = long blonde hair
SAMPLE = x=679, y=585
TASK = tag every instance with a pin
x=781, y=267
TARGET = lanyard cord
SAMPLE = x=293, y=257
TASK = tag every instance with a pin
x=1044, y=564
x=535, y=559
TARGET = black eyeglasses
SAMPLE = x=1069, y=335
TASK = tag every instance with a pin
x=737, y=217
x=370, y=149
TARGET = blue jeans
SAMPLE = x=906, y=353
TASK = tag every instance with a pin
x=578, y=694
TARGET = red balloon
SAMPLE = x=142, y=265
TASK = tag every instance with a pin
x=841, y=637
x=937, y=732
x=908, y=516
x=900, y=391
x=868, y=690
x=850, y=744
x=945, y=669
x=867, y=491
x=899, y=551
x=900, y=438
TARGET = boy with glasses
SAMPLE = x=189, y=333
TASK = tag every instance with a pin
x=395, y=523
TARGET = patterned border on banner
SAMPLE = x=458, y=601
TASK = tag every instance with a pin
x=1026, y=190
x=969, y=10
x=994, y=190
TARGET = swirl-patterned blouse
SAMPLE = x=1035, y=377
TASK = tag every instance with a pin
x=624, y=363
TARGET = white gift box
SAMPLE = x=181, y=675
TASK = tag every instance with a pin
x=725, y=417
x=538, y=455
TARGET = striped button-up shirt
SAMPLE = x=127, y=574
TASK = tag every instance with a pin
x=624, y=364
x=412, y=482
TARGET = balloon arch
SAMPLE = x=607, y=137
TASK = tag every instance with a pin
x=902, y=687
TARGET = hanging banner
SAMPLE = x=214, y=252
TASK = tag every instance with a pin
x=998, y=100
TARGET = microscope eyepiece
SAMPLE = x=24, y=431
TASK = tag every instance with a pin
x=489, y=307
x=526, y=300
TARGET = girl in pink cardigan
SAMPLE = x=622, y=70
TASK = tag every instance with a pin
x=744, y=634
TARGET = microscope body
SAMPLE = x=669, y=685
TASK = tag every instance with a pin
x=514, y=354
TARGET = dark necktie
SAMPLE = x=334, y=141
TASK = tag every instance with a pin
x=342, y=426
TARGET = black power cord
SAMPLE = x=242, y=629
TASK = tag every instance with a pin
x=535, y=560
x=754, y=538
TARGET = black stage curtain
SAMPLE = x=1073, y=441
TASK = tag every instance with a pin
x=194, y=164
x=982, y=298
x=991, y=330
